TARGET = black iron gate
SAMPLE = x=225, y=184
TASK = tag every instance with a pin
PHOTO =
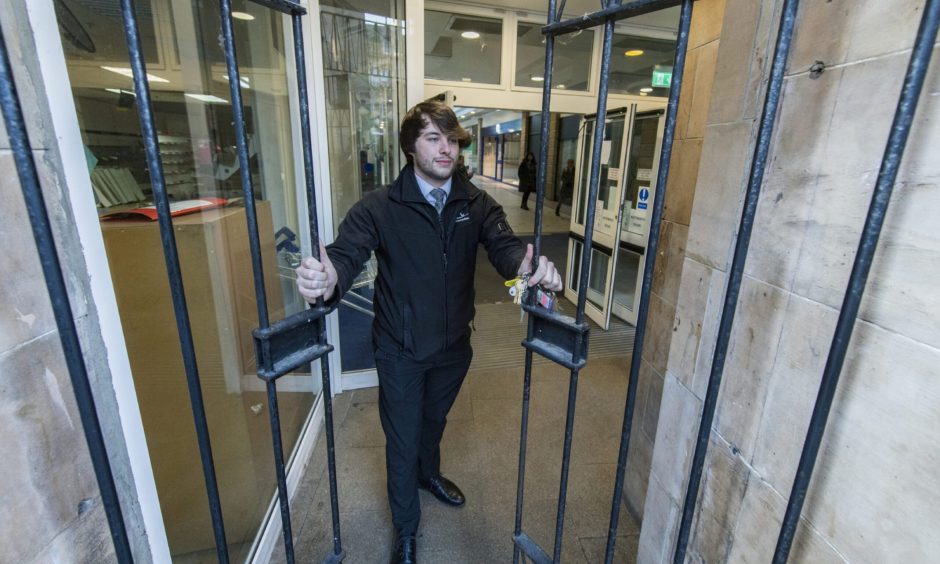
x=300, y=339
x=564, y=340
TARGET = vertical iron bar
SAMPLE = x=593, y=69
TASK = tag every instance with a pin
x=539, y=201
x=565, y=465
x=582, y=286
x=894, y=151
x=685, y=22
x=599, y=130
x=520, y=480
x=168, y=240
x=736, y=274
x=241, y=141
x=327, y=391
x=254, y=242
x=58, y=295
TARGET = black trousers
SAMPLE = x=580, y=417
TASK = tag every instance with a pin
x=414, y=399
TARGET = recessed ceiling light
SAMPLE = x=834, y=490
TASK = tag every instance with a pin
x=470, y=35
x=129, y=73
x=538, y=78
x=242, y=16
x=646, y=89
x=207, y=98
x=466, y=79
x=562, y=86
x=633, y=52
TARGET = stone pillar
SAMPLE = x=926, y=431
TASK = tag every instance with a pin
x=54, y=510
x=871, y=498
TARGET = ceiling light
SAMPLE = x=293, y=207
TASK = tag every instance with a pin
x=465, y=79
x=242, y=16
x=633, y=52
x=562, y=86
x=243, y=80
x=643, y=94
x=470, y=35
x=207, y=98
x=646, y=89
x=129, y=73
x=537, y=79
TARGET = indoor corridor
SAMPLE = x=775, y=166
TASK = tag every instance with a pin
x=480, y=449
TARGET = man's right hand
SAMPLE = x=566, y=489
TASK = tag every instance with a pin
x=316, y=278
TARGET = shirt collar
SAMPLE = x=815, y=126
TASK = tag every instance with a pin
x=426, y=188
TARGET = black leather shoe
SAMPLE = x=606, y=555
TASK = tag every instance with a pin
x=406, y=550
x=444, y=490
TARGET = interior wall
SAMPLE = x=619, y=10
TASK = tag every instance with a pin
x=694, y=100
x=871, y=498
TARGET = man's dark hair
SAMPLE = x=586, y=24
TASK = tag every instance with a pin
x=420, y=116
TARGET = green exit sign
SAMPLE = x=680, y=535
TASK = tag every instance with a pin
x=662, y=77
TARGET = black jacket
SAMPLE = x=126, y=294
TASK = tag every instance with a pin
x=424, y=289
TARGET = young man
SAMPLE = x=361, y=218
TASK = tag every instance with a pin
x=424, y=229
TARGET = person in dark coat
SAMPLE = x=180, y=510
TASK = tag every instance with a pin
x=567, y=186
x=424, y=229
x=462, y=168
x=528, y=169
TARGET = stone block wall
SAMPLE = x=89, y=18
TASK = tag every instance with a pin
x=873, y=497
x=694, y=101
x=51, y=502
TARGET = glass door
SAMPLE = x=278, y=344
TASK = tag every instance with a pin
x=364, y=81
x=638, y=202
x=608, y=216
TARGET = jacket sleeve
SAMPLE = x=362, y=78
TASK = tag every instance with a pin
x=503, y=248
x=353, y=246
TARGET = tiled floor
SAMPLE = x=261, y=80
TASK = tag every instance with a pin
x=480, y=453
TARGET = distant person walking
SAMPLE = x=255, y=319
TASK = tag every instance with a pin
x=527, y=171
x=567, y=186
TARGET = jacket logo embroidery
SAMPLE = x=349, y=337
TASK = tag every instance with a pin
x=462, y=216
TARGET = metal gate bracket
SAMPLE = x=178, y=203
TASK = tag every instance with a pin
x=290, y=343
x=558, y=337
x=532, y=550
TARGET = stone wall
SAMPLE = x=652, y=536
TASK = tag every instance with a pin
x=873, y=497
x=51, y=501
x=694, y=100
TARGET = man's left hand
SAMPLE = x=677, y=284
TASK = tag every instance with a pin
x=545, y=274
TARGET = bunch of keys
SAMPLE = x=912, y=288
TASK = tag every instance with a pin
x=519, y=289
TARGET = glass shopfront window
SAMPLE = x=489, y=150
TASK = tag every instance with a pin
x=194, y=120
x=364, y=75
x=462, y=48
x=571, y=67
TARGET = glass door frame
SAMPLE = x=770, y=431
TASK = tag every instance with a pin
x=630, y=315
x=603, y=242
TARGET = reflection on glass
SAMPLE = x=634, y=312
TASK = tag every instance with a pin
x=625, y=279
x=364, y=69
x=597, y=279
x=611, y=147
x=641, y=65
x=462, y=48
x=571, y=67
x=641, y=174
x=193, y=113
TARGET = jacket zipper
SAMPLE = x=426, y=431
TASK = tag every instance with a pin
x=440, y=222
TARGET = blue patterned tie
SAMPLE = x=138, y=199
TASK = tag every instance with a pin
x=439, y=196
